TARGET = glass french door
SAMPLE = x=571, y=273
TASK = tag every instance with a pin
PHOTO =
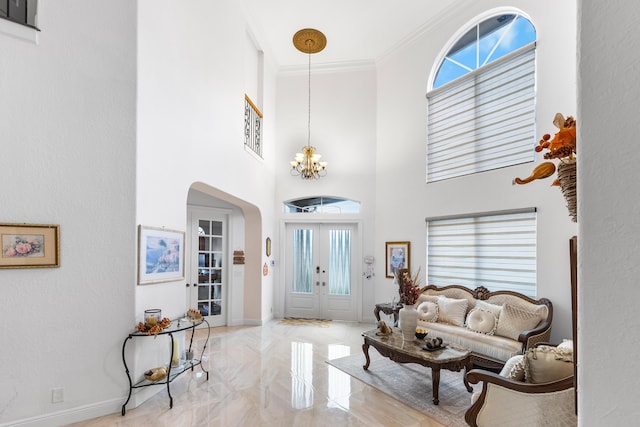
x=209, y=271
x=319, y=275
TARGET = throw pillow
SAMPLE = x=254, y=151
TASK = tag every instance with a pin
x=428, y=311
x=482, y=321
x=544, y=364
x=494, y=308
x=452, y=310
x=513, y=320
x=517, y=371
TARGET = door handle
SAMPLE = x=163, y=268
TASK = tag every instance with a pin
x=317, y=283
x=318, y=269
x=324, y=284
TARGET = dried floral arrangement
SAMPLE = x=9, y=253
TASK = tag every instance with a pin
x=409, y=286
x=562, y=147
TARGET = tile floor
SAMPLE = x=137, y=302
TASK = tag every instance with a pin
x=274, y=375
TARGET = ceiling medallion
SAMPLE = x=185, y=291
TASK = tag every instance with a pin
x=309, y=40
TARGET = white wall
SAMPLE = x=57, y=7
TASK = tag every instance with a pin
x=191, y=122
x=403, y=198
x=67, y=136
x=609, y=214
x=343, y=115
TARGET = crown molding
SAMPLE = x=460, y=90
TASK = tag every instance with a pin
x=328, y=67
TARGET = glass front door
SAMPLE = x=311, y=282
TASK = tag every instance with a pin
x=319, y=274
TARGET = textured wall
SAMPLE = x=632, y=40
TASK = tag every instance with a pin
x=67, y=140
x=609, y=213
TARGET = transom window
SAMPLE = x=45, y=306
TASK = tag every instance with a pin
x=481, y=112
x=320, y=204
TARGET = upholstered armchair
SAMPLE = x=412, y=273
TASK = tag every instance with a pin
x=534, y=389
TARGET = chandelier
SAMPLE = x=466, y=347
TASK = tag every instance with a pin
x=307, y=164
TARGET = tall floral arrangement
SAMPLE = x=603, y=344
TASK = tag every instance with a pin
x=409, y=286
x=562, y=147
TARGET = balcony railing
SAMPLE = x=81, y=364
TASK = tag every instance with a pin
x=252, y=127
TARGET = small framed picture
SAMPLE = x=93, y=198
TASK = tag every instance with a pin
x=397, y=257
x=160, y=255
x=29, y=245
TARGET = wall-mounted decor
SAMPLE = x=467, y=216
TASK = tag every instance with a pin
x=29, y=245
x=397, y=256
x=160, y=255
x=238, y=257
x=268, y=246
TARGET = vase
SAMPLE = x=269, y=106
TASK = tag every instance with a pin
x=567, y=178
x=408, y=316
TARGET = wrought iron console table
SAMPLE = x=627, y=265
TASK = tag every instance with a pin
x=173, y=371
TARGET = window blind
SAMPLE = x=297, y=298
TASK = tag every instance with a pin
x=484, y=120
x=497, y=251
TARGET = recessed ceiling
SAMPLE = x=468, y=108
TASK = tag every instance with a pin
x=357, y=31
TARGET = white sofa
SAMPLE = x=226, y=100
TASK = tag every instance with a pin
x=495, y=326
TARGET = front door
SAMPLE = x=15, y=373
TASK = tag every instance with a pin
x=319, y=275
x=209, y=271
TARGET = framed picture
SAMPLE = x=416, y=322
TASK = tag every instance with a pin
x=160, y=255
x=29, y=245
x=397, y=257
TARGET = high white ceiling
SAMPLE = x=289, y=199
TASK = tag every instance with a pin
x=357, y=31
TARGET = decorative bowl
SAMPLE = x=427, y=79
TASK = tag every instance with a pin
x=421, y=333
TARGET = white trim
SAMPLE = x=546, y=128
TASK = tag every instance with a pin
x=73, y=415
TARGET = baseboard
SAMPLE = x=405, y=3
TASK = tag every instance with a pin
x=72, y=415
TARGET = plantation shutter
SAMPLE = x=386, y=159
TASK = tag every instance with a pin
x=484, y=120
x=494, y=250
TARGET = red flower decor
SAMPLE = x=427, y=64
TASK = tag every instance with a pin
x=409, y=287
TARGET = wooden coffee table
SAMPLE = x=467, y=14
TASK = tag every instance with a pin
x=394, y=347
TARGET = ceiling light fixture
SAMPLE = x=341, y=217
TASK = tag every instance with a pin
x=307, y=164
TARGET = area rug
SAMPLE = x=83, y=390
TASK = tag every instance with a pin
x=411, y=384
x=299, y=321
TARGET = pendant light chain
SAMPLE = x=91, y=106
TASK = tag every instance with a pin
x=309, y=109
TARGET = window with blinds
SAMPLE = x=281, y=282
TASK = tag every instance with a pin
x=494, y=250
x=481, y=116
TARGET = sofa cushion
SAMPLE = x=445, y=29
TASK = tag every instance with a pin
x=513, y=320
x=452, y=311
x=544, y=364
x=494, y=308
x=482, y=321
x=428, y=311
x=491, y=346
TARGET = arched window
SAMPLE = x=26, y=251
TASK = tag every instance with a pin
x=481, y=108
x=322, y=204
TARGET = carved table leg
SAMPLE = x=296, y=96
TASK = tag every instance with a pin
x=365, y=350
x=435, y=374
x=467, y=367
x=376, y=312
x=395, y=318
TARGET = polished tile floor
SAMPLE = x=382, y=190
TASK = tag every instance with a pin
x=273, y=375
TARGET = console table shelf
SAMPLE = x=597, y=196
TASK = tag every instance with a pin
x=173, y=371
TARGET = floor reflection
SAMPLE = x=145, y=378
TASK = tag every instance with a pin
x=301, y=375
x=339, y=389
